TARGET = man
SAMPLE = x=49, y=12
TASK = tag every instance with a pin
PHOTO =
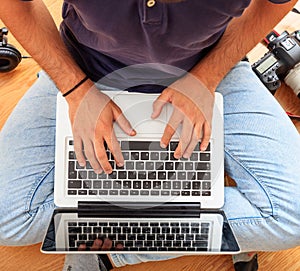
x=203, y=37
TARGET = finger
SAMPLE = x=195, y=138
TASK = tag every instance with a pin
x=185, y=138
x=78, y=148
x=102, y=156
x=82, y=247
x=191, y=147
x=107, y=244
x=123, y=122
x=174, y=121
x=159, y=103
x=205, y=136
x=114, y=147
x=97, y=245
x=119, y=246
x=91, y=156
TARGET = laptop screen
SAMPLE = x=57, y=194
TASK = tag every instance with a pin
x=71, y=231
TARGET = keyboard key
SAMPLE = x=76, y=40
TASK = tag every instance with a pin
x=203, y=176
x=179, y=165
x=134, y=192
x=149, y=165
x=147, y=185
x=97, y=184
x=103, y=192
x=93, y=192
x=204, y=156
x=154, y=193
x=139, y=165
x=154, y=156
x=185, y=193
x=122, y=175
x=196, y=193
x=169, y=166
x=173, y=145
x=167, y=185
x=137, y=185
x=87, y=184
x=161, y=175
x=92, y=175
x=206, y=185
x=157, y=184
x=129, y=165
x=189, y=165
x=72, y=155
x=144, y=193
x=151, y=175
x=131, y=175
x=196, y=185
x=171, y=175
x=191, y=175
x=74, y=184
x=117, y=184
x=186, y=185
x=165, y=193
x=107, y=184
x=164, y=156
x=142, y=175
x=176, y=185
x=72, y=192
x=144, y=155
x=135, y=156
x=206, y=193
x=181, y=175
x=72, y=173
x=126, y=184
x=159, y=165
x=125, y=155
x=202, y=166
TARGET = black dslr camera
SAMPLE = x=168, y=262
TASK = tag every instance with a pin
x=283, y=55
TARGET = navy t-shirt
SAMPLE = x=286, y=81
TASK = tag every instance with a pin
x=105, y=35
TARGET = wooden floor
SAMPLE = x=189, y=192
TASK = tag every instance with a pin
x=14, y=84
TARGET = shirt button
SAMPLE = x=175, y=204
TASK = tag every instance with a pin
x=150, y=3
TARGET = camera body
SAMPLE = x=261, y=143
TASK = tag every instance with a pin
x=283, y=55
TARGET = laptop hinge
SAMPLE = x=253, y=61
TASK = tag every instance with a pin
x=138, y=209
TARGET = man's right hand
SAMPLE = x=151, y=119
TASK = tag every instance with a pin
x=92, y=119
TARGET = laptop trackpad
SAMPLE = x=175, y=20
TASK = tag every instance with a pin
x=138, y=110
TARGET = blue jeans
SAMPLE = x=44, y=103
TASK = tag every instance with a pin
x=262, y=154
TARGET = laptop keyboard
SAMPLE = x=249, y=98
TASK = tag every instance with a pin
x=142, y=236
x=149, y=170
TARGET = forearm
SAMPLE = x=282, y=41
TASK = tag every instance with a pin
x=33, y=26
x=241, y=35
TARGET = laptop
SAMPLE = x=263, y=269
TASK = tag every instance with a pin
x=155, y=203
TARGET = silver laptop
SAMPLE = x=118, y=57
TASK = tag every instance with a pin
x=154, y=203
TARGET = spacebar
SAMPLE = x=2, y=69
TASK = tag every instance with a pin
x=141, y=146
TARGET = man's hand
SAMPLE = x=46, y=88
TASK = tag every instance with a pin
x=92, y=124
x=193, y=106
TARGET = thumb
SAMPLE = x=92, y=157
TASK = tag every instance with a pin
x=125, y=124
x=159, y=103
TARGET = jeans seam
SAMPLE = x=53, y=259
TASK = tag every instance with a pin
x=258, y=181
x=32, y=192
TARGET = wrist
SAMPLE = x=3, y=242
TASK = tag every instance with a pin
x=79, y=92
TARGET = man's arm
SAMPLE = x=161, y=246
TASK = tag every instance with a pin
x=91, y=112
x=241, y=35
x=33, y=26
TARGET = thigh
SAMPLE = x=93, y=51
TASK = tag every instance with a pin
x=262, y=151
x=27, y=143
